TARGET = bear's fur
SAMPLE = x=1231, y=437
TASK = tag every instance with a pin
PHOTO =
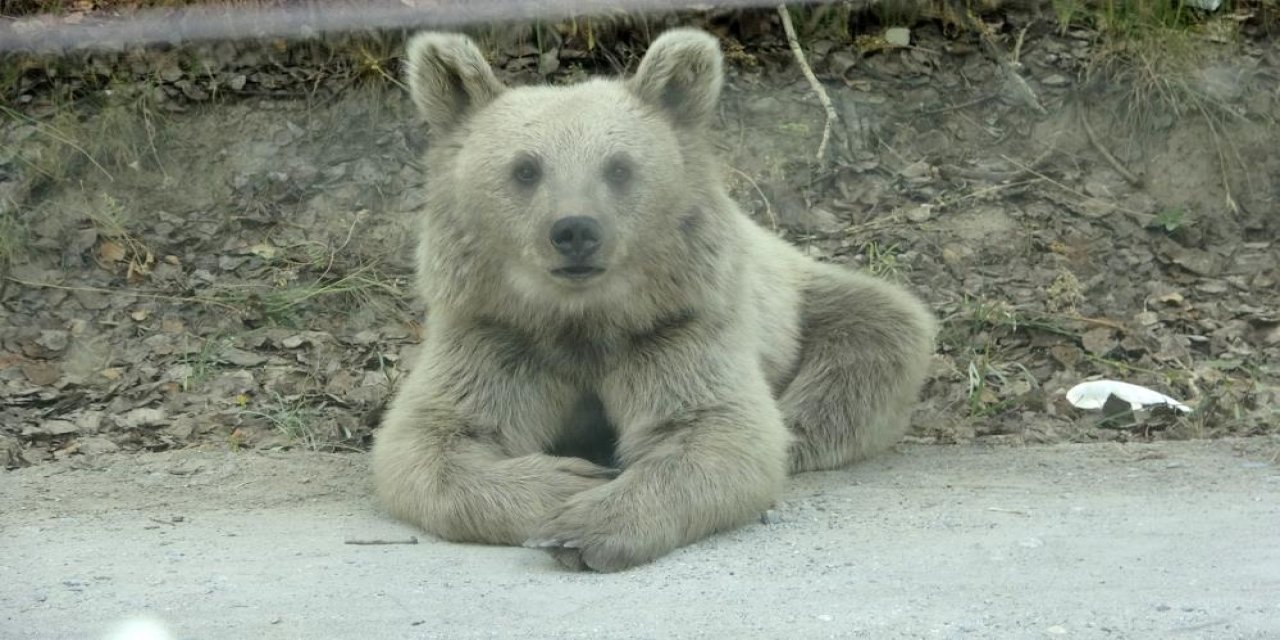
x=640, y=376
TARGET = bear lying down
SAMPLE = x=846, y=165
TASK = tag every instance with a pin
x=618, y=361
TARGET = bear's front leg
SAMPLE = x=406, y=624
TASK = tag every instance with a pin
x=704, y=449
x=460, y=449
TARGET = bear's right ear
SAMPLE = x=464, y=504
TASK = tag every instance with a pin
x=448, y=78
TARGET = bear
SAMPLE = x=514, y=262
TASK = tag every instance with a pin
x=617, y=360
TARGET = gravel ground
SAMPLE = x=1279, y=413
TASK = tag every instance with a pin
x=1163, y=540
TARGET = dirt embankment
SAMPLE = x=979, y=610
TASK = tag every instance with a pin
x=217, y=254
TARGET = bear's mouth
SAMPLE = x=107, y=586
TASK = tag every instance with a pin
x=578, y=272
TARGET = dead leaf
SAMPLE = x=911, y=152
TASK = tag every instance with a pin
x=110, y=252
x=41, y=373
x=1197, y=261
x=1065, y=354
x=1146, y=318
x=171, y=324
x=1099, y=341
x=242, y=358
x=264, y=250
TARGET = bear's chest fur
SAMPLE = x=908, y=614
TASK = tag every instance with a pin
x=584, y=349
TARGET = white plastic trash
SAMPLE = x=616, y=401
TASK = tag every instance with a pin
x=1093, y=394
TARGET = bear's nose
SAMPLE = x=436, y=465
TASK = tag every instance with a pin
x=576, y=237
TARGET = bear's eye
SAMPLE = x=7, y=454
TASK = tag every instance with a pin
x=618, y=172
x=526, y=171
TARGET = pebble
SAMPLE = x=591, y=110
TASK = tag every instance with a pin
x=898, y=36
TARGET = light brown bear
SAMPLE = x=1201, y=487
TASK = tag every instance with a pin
x=618, y=361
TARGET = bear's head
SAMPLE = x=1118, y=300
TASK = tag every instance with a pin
x=588, y=196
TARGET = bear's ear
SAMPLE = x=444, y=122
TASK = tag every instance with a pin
x=682, y=73
x=448, y=78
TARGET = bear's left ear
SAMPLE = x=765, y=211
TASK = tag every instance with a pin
x=682, y=73
x=448, y=78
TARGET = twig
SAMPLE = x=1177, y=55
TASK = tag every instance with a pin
x=409, y=540
x=1101, y=322
x=768, y=208
x=1136, y=214
x=1106, y=155
x=956, y=107
x=136, y=294
x=1004, y=510
x=1222, y=158
x=832, y=117
x=1017, y=46
x=1009, y=67
x=996, y=176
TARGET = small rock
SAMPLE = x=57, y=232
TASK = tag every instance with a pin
x=548, y=63
x=54, y=341
x=956, y=255
x=186, y=468
x=1212, y=286
x=231, y=263
x=841, y=61
x=1056, y=630
x=11, y=453
x=770, y=517
x=1056, y=80
x=1031, y=543
x=182, y=428
x=366, y=337
x=898, y=36
x=89, y=421
x=91, y=300
x=191, y=90
x=917, y=171
x=170, y=73
x=1273, y=337
x=1098, y=189
x=920, y=213
x=94, y=445
x=142, y=417
x=764, y=105
x=59, y=427
x=809, y=219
